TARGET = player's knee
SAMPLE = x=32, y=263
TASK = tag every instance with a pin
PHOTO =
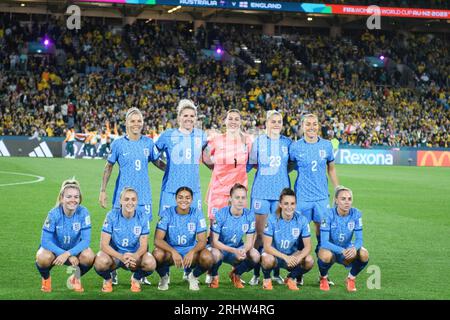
x=44, y=258
x=102, y=262
x=206, y=259
x=87, y=257
x=217, y=255
x=148, y=263
x=254, y=256
x=158, y=254
x=363, y=255
x=308, y=263
x=325, y=255
x=267, y=261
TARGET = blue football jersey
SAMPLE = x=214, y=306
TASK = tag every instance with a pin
x=183, y=154
x=125, y=232
x=272, y=157
x=231, y=229
x=67, y=231
x=133, y=158
x=182, y=229
x=287, y=234
x=311, y=160
x=341, y=228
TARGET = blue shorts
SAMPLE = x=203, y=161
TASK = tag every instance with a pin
x=262, y=206
x=167, y=200
x=313, y=210
x=229, y=257
x=183, y=250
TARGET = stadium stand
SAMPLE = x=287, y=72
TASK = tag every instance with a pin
x=97, y=73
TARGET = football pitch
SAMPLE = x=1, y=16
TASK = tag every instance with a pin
x=406, y=217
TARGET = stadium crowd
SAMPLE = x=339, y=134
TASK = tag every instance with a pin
x=97, y=73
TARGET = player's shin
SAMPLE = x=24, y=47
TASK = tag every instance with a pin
x=357, y=267
x=323, y=267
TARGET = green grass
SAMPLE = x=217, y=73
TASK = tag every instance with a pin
x=406, y=213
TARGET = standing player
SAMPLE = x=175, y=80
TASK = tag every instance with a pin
x=270, y=154
x=180, y=239
x=229, y=154
x=232, y=223
x=183, y=149
x=133, y=152
x=287, y=242
x=336, y=232
x=66, y=236
x=70, y=140
x=314, y=159
x=124, y=243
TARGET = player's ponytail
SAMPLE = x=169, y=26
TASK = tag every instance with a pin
x=284, y=192
x=68, y=184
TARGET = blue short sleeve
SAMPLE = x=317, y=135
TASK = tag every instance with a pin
x=201, y=222
x=114, y=155
x=50, y=223
x=108, y=223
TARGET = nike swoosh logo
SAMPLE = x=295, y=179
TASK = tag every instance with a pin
x=171, y=226
x=58, y=227
x=124, y=154
x=277, y=230
x=116, y=229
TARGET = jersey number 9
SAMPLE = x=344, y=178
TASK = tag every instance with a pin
x=137, y=165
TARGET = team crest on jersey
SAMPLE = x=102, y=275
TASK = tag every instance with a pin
x=76, y=226
x=137, y=230
x=191, y=227
x=322, y=154
x=351, y=225
x=295, y=232
x=257, y=205
x=284, y=149
x=245, y=227
x=146, y=152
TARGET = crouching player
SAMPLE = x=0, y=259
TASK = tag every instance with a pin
x=336, y=232
x=66, y=236
x=287, y=242
x=124, y=243
x=180, y=240
x=232, y=223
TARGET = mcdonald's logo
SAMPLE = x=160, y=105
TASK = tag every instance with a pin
x=433, y=158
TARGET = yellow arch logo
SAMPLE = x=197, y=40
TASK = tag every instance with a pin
x=433, y=158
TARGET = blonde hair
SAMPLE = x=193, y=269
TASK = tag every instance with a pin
x=132, y=111
x=186, y=104
x=126, y=189
x=338, y=190
x=271, y=113
x=68, y=184
x=309, y=115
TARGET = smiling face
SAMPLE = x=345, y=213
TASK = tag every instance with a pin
x=274, y=125
x=287, y=205
x=184, y=200
x=134, y=124
x=129, y=201
x=239, y=199
x=310, y=128
x=70, y=200
x=344, y=201
x=233, y=122
x=187, y=119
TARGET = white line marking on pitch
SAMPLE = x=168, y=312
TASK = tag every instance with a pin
x=39, y=178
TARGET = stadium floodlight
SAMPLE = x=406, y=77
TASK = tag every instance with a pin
x=46, y=42
x=382, y=57
x=219, y=50
x=257, y=61
x=310, y=19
